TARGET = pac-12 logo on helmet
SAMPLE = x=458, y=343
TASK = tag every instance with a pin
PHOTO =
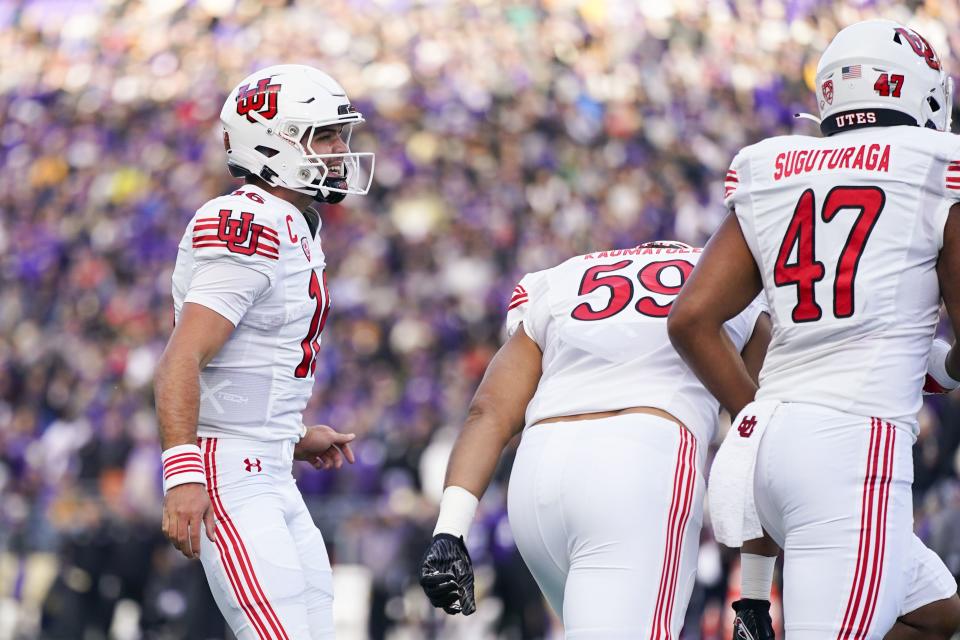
x=828, y=91
x=262, y=98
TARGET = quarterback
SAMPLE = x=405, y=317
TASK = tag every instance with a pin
x=606, y=493
x=852, y=238
x=251, y=300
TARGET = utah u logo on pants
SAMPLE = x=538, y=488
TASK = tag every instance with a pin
x=747, y=425
x=253, y=465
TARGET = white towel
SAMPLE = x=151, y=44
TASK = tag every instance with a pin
x=733, y=510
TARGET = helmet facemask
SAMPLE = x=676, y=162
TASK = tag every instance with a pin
x=333, y=176
x=937, y=114
x=317, y=173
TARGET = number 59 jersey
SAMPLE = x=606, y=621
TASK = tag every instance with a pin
x=846, y=232
x=252, y=258
x=600, y=321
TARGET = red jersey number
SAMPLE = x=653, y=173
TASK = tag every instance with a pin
x=806, y=271
x=311, y=342
x=621, y=289
x=651, y=278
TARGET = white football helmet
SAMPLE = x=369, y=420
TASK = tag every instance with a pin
x=665, y=244
x=269, y=121
x=883, y=65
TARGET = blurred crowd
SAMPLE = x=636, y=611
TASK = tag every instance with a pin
x=509, y=136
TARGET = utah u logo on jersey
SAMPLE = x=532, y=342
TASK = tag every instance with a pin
x=747, y=425
x=262, y=98
x=254, y=464
x=241, y=236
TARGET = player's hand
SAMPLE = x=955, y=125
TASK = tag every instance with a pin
x=446, y=575
x=185, y=507
x=325, y=448
x=753, y=620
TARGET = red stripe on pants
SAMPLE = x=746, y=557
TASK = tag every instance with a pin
x=266, y=616
x=873, y=520
x=886, y=475
x=226, y=559
x=684, y=478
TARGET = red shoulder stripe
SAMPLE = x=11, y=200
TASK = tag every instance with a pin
x=516, y=303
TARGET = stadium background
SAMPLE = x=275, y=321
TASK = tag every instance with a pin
x=509, y=136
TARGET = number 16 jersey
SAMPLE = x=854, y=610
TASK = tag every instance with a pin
x=252, y=258
x=846, y=232
x=600, y=320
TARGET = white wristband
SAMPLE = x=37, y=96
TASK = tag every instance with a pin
x=937, y=365
x=756, y=576
x=457, y=508
x=182, y=464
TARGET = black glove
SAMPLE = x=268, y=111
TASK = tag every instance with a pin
x=753, y=620
x=446, y=575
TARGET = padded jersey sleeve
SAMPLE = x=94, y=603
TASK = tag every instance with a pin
x=737, y=199
x=950, y=186
x=527, y=307
x=228, y=288
x=951, y=179
x=236, y=256
x=732, y=182
x=231, y=231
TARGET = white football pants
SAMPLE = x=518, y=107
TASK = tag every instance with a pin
x=833, y=489
x=268, y=570
x=607, y=516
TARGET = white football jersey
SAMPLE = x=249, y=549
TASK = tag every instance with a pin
x=258, y=384
x=846, y=231
x=600, y=321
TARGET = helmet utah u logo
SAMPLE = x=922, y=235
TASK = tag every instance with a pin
x=262, y=98
x=241, y=236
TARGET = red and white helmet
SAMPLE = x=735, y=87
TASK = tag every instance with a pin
x=268, y=124
x=882, y=66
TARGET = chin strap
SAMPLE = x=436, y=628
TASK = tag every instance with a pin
x=331, y=197
x=807, y=116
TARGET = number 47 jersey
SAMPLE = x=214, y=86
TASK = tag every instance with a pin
x=846, y=232
x=252, y=258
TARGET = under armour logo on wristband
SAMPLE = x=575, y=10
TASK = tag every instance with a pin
x=252, y=465
x=747, y=425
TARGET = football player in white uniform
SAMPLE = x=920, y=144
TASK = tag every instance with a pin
x=251, y=300
x=852, y=238
x=606, y=492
